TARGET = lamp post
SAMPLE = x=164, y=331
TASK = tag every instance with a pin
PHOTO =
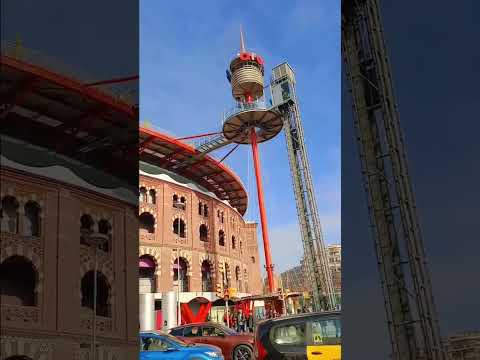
x=96, y=240
x=178, y=286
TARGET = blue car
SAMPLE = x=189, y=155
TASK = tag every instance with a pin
x=160, y=346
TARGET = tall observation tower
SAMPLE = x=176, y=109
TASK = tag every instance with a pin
x=251, y=122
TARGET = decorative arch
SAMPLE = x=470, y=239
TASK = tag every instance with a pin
x=155, y=254
x=207, y=257
x=18, y=249
x=180, y=218
x=187, y=255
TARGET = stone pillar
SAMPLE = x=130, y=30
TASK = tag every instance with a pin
x=147, y=312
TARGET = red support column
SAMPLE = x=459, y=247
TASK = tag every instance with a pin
x=261, y=206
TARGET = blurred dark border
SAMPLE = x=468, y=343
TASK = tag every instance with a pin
x=69, y=178
x=434, y=58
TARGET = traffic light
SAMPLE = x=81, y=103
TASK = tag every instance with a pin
x=219, y=290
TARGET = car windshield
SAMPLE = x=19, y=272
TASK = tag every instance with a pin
x=174, y=340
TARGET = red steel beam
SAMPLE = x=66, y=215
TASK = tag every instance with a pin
x=198, y=136
x=113, y=81
x=261, y=207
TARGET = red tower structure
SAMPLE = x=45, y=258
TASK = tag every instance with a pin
x=251, y=122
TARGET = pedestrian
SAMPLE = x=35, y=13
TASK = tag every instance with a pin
x=165, y=326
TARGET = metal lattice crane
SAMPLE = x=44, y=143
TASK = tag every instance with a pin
x=315, y=252
x=411, y=315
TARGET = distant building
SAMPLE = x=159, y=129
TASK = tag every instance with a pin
x=335, y=262
x=294, y=279
x=465, y=346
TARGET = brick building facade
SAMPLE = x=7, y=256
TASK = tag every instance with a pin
x=183, y=225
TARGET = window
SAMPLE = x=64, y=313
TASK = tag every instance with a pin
x=203, y=232
x=9, y=215
x=18, y=280
x=105, y=228
x=253, y=259
x=289, y=335
x=179, y=227
x=103, y=293
x=31, y=220
x=180, y=273
x=179, y=203
x=86, y=228
x=152, y=343
x=147, y=223
x=191, y=331
x=177, y=332
x=207, y=283
x=212, y=331
x=205, y=210
x=153, y=196
x=326, y=332
x=241, y=247
x=143, y=194
x=200, y=208
x=234, y=244
x=221, y=238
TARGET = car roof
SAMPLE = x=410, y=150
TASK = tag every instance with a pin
x=210, y=323
x=304, y=315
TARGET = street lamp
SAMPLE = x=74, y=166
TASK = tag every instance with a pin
x=96, y=240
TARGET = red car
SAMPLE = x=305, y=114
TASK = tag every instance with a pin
x=235, y=346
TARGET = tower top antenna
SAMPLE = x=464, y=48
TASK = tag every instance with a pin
x=242, y=41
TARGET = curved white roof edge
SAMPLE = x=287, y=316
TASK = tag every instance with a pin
x=64, y=174
x=188, y=185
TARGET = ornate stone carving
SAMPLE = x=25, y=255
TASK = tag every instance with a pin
x=20, y=314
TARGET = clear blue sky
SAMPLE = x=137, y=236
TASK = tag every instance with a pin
x=185, y=48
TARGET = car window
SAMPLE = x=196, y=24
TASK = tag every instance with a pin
x=326, y=332
x=289, y=334
x=150, y=343
x=176, y=332
x=191, y=331
x=211, y=331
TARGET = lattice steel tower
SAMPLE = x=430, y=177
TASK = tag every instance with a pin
x=410, y=309
x=315, y=252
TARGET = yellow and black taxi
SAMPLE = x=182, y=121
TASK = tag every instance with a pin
x=310, y=336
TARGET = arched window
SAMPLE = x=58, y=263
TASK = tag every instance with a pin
x=180, y=273
x=147, y=223
x=234, y=243
x=179, y=227
x=9, y=215
x=105, y=228
x=241, y=247
x=245, y=277
x=103, y=293
x=238, y=278
x=18, y=279
x=221, y=238
x=178, y=203
x=203, y=230
x=253, y=259
x=200, y=208
x=86, y=228
x=147, y=268
x=143, y=194
x=205, y=210
x=226, y=283
x=153, y=196
x=218, y=214
x=31, y=220
x=207, y=283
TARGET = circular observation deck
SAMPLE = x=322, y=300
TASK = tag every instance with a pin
x=238, y=123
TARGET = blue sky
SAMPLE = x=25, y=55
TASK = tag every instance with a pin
x=184, y=51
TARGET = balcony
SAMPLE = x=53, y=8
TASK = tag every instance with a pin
x=179, y=205
x=260, y=104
